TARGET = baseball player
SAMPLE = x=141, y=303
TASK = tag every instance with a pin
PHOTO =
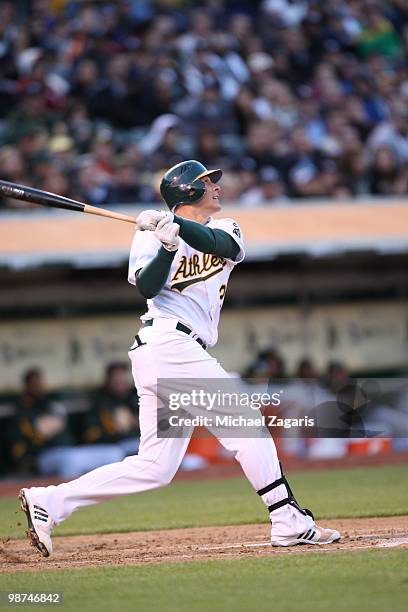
x=181, y=262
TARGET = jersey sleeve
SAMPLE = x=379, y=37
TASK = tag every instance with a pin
x=144, y=247
x=232, y=228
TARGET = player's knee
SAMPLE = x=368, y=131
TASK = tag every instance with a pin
x=160, y=475
x=165, y=477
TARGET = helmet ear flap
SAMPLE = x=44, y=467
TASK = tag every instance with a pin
x=188, y=189
x=194, y=191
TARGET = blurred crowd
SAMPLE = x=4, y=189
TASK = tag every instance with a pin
x=292, y=98
x=68, y=434
x=367, y=415
x=48, y=435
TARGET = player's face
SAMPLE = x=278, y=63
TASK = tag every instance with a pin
x=211, y=199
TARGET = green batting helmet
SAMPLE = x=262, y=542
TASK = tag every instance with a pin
x=183, y=183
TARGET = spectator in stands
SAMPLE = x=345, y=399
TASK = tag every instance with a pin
x=319, y=398
x=393, y=131
x=268, y=366
x=208, y=107
x=336, y=377
x=210, y=151
x=306, y=390
x=271, y=189
x=126, y=188
x=304, y=167
x=264, y=144
x=40, y=438
x=301, y=395
x=170, y=150
x=385, y=173
x=113, y=417
x=378, y=35
x=93, y=185
x=245, y=171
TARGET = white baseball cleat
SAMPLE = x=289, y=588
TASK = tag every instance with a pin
x=39, y=523
x=314, y=535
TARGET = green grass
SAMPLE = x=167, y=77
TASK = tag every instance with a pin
x=374, y=580
x=342, y=582
x=373, y=491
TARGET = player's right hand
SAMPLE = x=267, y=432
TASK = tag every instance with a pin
x=148, y=219
x=167, y=232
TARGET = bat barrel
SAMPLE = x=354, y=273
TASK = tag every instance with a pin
x=37, y=196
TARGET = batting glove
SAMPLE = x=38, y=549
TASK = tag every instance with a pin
x=148, y=219
x=167, y=232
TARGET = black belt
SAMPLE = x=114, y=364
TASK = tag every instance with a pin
x=180, y=327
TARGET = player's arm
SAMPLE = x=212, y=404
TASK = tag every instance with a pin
x=206, y=239
x=151, y=279
x=214, y=241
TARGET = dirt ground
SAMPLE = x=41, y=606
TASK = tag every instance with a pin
x=230, y=542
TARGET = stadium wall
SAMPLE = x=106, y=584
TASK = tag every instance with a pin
x=368, y=336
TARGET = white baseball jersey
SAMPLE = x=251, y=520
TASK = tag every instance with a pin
x=195, y=288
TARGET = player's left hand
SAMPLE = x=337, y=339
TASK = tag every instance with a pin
x=148, y=219
x=167, y=232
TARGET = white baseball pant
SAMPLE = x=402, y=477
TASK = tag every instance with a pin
x=169, y=353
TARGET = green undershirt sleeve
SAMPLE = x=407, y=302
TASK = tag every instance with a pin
x=151, y=279
x=206, y=239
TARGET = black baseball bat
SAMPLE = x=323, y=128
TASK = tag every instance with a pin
x=45, y=198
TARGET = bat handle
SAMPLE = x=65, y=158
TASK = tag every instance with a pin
x=94, y=210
